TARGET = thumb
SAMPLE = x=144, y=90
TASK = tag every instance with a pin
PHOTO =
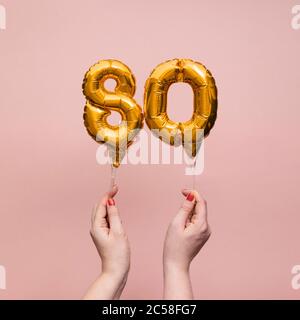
x=114, y=220
x=185, y=210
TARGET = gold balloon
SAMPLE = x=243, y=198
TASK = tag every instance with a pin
x=100, y=102
x=205, y=103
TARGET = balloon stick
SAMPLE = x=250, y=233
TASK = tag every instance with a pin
x=113, y=174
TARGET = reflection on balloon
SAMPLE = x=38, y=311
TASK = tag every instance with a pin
x=100, y=102
x=188, y=133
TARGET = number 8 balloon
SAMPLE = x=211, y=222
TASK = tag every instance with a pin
x=205, y=103
x=100, y=102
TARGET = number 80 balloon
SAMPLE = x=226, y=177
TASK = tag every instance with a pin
x=100, y=102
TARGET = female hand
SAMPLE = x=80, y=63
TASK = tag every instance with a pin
x=186, y=235
x=109, y=236
x=112, y=245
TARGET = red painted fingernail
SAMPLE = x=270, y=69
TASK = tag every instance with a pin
x=190, y=197
x=111, y=202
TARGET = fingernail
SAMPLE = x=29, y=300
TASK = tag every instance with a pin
x=111, y=202
x=190, y=197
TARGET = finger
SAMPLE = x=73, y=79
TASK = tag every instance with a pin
x=110, y=194
x=200, y=208
x=185, y=210
x=113, y=216
x=185, y=192
x=198, y=197
x=94, y=213
x=113, y=191
x=100, y=210
x=100, y=220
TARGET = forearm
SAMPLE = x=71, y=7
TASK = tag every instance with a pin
x=106, y=287
x=120, y=289
x=177, y=283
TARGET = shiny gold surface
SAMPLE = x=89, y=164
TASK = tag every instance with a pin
x=100, y=102
x=205, y=103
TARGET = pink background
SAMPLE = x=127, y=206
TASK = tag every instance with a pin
x=50, y=179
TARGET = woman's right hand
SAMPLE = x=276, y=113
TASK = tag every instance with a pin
x=187, y=232
x=186, y=235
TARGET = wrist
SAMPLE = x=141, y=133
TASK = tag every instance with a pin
x=108, y=286
x=115, y=268
x=176, y=267
x=115, y=275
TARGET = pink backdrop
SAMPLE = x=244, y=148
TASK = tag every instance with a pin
x=50, y=179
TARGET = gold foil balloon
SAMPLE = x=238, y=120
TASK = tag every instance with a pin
x=100, y=102
x=205, y=103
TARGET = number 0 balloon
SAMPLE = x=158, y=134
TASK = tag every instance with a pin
x=205, y=103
